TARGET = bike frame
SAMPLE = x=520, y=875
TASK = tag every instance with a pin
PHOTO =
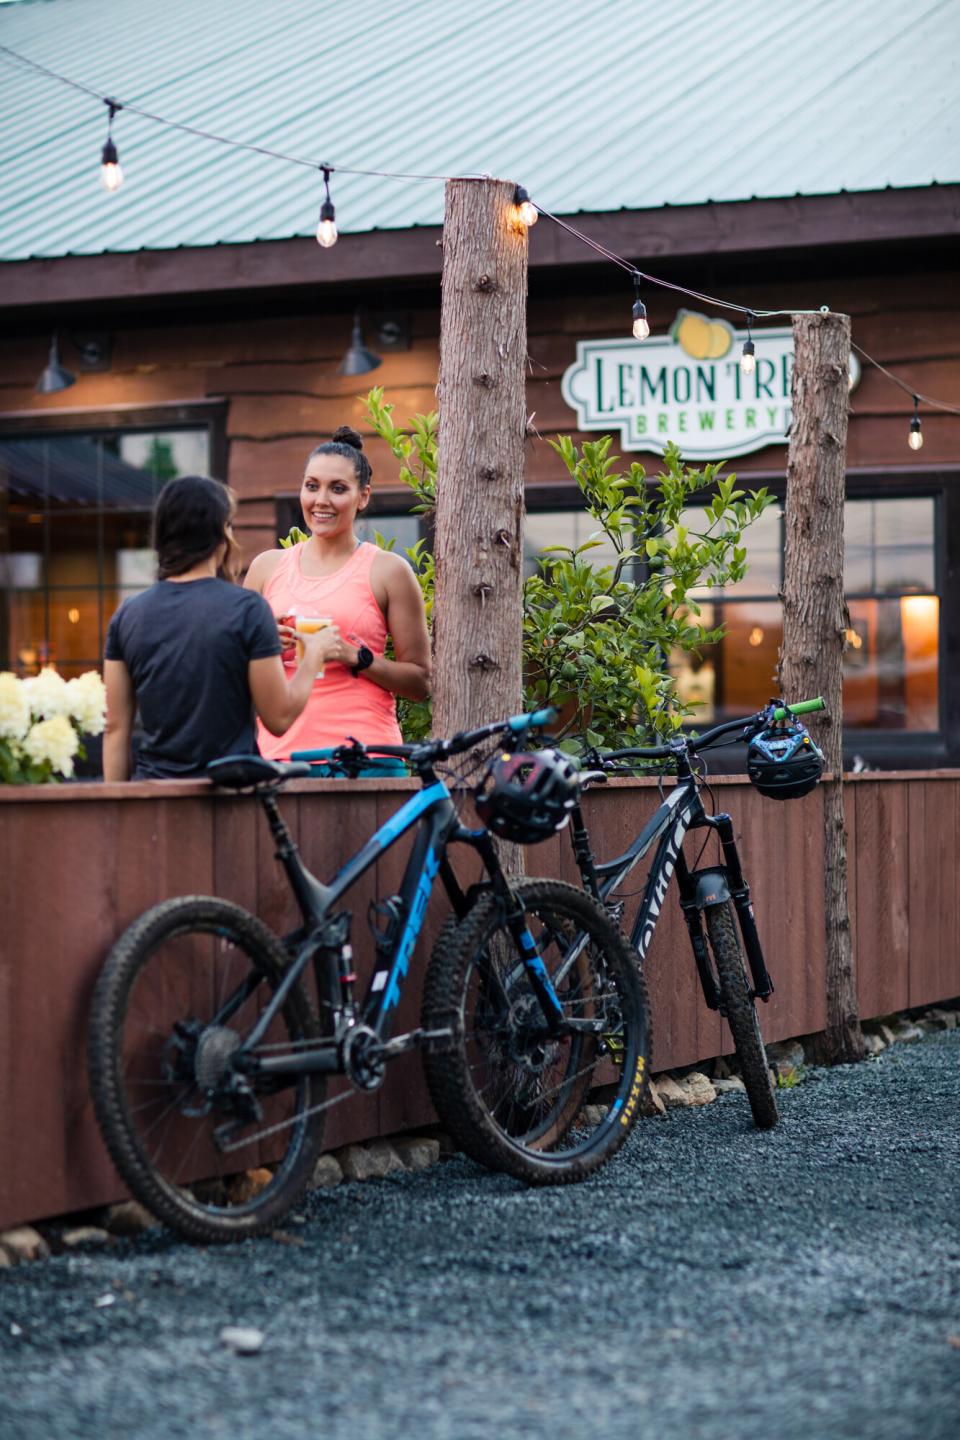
x=680, y=811
x=324, y=935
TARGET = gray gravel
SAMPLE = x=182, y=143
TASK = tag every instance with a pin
x=797, y=1284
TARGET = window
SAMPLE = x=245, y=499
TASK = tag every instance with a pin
x=890, y=662
x=891, y=676
x=75, y=510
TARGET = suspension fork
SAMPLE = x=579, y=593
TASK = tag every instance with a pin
x=526, y=945
x=740, y=895
x=698, y=941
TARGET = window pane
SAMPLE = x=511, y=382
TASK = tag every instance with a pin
x=77, y=512
x=890, y=664
x=763, y=543
x=563, y=527
x=404, y=529
x=888, y=546
x=738, y=675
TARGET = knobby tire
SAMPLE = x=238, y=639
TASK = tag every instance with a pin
x=155, y=1058
x=741, y=1014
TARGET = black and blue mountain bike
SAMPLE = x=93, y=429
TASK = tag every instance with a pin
x=212, y=1039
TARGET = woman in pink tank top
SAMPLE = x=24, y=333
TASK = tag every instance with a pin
x=366, y=593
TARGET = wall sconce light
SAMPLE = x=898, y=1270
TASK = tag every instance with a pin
x=55, y=376
x=94, y=348
x=358, y=360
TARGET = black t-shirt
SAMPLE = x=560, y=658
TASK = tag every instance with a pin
x=187, y=645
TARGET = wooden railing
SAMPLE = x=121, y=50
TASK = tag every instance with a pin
x=80, y=861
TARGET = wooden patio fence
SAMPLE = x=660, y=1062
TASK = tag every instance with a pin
x=81, y=861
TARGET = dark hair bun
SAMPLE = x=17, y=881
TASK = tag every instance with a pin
x=345, y=435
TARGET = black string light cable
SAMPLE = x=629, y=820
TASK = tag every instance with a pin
x=527, y=209
x=748, y=358
x=5, y=51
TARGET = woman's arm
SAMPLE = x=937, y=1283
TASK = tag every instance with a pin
x=279, y=701
x=261, y=569
x=121, y=707
x=398, y=593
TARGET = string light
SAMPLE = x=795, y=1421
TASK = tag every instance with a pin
x=111, y=171
x=327, y=228
x=641, y=325
x=915, y=438
x=748, y=360
x=527, y=212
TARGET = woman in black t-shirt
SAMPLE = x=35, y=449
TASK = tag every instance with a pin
x=196, y=654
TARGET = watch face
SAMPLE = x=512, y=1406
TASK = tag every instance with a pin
x=364, y=658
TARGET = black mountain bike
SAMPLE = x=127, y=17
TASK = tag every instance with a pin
x=713, y=895
x=209, y=1059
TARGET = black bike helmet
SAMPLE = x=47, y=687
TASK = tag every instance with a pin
x=783, y=762
x=527, y=796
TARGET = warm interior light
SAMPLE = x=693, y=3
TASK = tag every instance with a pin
x=756, y=636
x=73, y=615
x=853, y=639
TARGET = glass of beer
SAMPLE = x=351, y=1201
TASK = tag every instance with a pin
x=309, y=625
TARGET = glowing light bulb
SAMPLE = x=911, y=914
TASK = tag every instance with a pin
x=641, y=325
x=527, y=212
x=111, y=171
x=748, y=360
x=327, y=228
x=915, y=438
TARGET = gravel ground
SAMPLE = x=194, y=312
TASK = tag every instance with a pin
x=798, y=1284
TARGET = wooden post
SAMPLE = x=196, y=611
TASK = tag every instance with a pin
x=815, y=622
x=478, y=548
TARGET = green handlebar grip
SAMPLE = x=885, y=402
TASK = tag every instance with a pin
x=802, y=707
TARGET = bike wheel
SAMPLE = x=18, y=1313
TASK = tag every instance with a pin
x=545, y=1108
x=741, y=1014
x=181, y=989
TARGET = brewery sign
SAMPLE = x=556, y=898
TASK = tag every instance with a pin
x=687, y=386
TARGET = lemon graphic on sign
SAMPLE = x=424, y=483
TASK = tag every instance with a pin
x=703, y=339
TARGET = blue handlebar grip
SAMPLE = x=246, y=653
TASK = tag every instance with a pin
x=535, y=717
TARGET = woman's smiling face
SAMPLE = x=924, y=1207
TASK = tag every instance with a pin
x=330, y=495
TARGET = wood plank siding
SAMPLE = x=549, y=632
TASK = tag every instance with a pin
x=277, y=376
x=80, y=862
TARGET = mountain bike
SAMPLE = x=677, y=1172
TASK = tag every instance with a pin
x=209, y=1057
x=713, y=895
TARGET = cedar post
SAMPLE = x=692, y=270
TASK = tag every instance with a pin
x=815, y=622
x=478, y=548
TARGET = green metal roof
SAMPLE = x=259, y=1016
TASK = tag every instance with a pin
x=594, y=105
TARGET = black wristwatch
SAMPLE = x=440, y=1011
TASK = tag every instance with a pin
x=365, y=659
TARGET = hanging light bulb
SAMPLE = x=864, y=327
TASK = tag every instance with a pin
x=748, y=360
x=641, y=325
x=327, y=228
x=111, y=171
x=527, y=212
x=915, y=438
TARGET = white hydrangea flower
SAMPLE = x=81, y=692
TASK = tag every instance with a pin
x=88, y=702
x=14, y=707
x=54, y=740
x=47, y=694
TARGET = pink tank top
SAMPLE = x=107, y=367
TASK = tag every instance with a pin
x=341, y=704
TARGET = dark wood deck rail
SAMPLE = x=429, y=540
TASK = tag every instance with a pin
x=80, y=861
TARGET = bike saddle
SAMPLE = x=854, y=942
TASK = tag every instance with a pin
x=240, y=772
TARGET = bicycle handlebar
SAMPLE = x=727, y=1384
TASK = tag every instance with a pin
x=701, y=742
x=426, y=752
